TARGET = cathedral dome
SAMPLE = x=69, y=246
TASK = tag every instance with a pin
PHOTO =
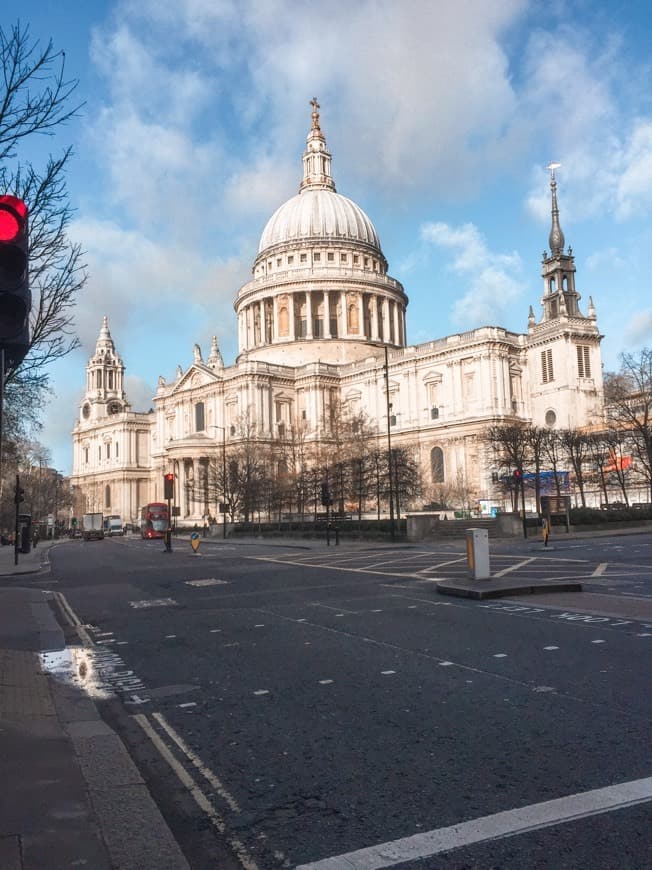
x=320, y=213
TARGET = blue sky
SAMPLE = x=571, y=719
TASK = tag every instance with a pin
x=441, y=118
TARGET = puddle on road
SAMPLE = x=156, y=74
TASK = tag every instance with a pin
x=74, y=665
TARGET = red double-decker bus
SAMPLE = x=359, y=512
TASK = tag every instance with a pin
x=154, y=520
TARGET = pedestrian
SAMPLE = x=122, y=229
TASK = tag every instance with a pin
x=545, y=530
x=35, y=536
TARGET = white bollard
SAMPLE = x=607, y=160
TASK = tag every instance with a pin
x=477, y=551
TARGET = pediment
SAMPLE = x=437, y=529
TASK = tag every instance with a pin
x=433, y=377
x=196, y=376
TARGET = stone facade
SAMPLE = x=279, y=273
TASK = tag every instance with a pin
x=314, y=325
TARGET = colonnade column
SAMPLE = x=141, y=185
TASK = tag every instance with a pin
x=261, y=305
x=308, y=314
x=327, y=316
x=385, y=316
x=343, y=316
x=361, y=331
x=397, y=333
x=374, y=319
x=181, y=487
x=291, y=313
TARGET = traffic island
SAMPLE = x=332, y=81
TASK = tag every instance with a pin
x=502, y=587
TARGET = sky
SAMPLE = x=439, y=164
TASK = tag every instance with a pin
x=441, y=116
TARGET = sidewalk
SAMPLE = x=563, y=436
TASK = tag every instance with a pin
x=71, y=795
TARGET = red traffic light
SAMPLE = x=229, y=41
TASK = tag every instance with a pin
x=13, y=214
x=15, y=296
x=168, y=485
x=518, y=474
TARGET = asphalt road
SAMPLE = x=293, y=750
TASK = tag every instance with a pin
x=292, y=705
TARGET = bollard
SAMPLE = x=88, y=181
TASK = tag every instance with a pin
x=477, y=551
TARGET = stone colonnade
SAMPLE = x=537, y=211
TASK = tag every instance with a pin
x=321, y=314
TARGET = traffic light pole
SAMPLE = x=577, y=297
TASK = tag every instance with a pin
x=17, y=500
x=523, y=506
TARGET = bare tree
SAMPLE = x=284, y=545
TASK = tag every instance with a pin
x=628, y=397
x=576, y=446
x=36, y=98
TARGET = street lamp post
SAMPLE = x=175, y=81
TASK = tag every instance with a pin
x=389, y=447
x=223, y=502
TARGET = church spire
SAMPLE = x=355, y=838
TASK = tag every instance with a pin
x=316, y=157
x=556, y=239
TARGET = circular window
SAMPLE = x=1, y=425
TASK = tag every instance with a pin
x=114, y=408
x=86, y=411
x=551, y=418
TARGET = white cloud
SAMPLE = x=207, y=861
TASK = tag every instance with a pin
x=130, y=275
x=638, y=331
x=491, y=282
x=608, y=258
x=139, y=393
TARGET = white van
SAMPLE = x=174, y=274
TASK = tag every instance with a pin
x=113, y=526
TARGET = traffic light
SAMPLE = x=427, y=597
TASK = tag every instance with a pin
x=15, y=296
x=326, y=495
x=168, y=485
x=518, y=475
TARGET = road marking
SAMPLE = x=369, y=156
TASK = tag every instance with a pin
x=551, y=647
x=644, y=634
x=445, y=664
x=376, y=611
x=261, y=692
x=210, y=581
x=197, y=794
x=154, y=602
x=598, y=641
x=168, y=636
x=386, y=673
x=514, y=567
x=500, y=655
x=188, y=704
x=325, y=682
x=505, y=824
x=259, y=625
x=599, y=571
x=215, y=630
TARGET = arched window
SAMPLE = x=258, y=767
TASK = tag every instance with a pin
x=437, y=464
x=107, y=496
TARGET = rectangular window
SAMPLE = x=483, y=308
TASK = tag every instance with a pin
x=342, y=258
x=108, y=451
x=116, y=449
x=304, y=258
x=583, y=361
x=86, y=455
x=290, y=260
x=316, y=256
x=330, y=256
x=200, y=423
x=356, y=259
x=99, y=452
x=547, y=373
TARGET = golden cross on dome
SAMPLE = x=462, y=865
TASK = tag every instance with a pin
x=315, y=113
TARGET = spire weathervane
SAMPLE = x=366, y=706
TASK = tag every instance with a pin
x=315, y=113
x=552, y=166
x=556, y=239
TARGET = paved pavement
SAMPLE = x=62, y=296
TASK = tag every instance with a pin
x=71, y=795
